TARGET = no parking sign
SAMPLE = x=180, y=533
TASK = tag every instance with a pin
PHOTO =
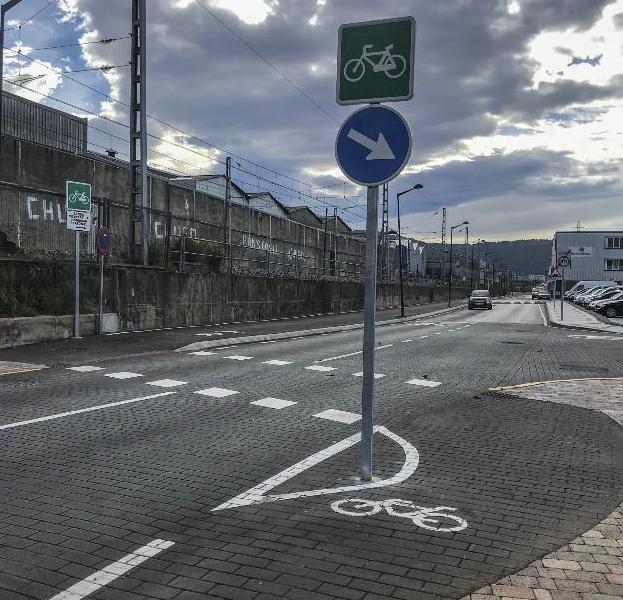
x=103, y=241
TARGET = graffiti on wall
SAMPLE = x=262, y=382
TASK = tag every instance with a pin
x=40, y=209
x=250, y=241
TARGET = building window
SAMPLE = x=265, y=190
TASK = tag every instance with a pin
x=614, y=242
x=614, y=264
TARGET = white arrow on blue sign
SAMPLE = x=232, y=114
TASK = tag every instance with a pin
x=373, y=145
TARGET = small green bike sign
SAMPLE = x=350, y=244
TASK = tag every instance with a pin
x=78, y=196
x=375, y=61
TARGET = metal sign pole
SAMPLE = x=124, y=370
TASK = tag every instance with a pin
x=101, y=312
x=77, y=289
x=369, y=314
x=562, y=294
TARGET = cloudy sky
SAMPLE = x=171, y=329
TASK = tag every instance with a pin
x=517, y=118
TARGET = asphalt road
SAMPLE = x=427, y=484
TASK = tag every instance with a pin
x=232, y=473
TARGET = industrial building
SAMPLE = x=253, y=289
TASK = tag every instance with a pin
x=595, y=255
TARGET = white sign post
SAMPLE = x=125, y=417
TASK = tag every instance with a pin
x=78, y=205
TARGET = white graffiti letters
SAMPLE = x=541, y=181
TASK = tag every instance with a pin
x=438, y=518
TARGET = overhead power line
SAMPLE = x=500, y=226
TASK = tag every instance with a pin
x=103, y=41
x=265, y=60
x=33, y=17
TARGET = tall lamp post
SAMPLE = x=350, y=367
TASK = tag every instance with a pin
x=6, y=7
x=450, y=274
x=417, y=186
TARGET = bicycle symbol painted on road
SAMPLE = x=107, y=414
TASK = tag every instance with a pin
x=382, y=61
x=438, y=518
x=79, y=197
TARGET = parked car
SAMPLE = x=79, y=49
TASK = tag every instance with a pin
x=587, y=297
x=540, y=293
x=597, y=303
x=582, y=286
x=480, y=299
x=605, y=294
x=612, y=308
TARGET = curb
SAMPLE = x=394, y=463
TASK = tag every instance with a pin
x=552, y=323
x=269, y=337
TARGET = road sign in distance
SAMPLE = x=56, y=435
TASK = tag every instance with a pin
x=103, y=241
x=373, y=145
x=564, y=261
x=375, y=61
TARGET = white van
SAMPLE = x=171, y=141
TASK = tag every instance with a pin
x=580, y=286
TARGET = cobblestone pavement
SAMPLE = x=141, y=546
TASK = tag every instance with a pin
x=590, y=567
x=233, y=473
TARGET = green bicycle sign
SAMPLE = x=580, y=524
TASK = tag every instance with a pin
x=78, y=196
x=375, y=61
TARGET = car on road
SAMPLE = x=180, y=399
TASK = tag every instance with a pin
x=595, y=304
x=480, y=299
x=584, y=299
x=611, y=308
x=540, y=293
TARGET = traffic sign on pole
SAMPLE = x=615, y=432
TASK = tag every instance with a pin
x=103, y=241
x=373, y=145
x=375, y=61
x=564, y=261
x=78, y=205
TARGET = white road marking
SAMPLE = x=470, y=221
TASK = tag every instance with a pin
x=276, y=403
x=320, y=368
x=424, y=382
x=238, y=357
x=230, y=331
x=350, y=354
x=82, y=410
x=85, y=369
x=268, y=342
x=123, y=375
x=422, y=337
x=406, y=341
x=258, y=494
x=543, y=315
x=438, y=333
x=216, y=392
x=167, y=383
x=209, y=334
x=113, y=571
x=203, y=353
x=278, y=363
x=341, y=416
x=376, y=375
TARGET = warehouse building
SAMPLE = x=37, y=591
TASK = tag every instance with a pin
x=595, y=255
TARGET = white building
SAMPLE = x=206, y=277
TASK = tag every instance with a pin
x=595, y=255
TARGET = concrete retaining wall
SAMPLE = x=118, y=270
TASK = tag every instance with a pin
x=147, y=298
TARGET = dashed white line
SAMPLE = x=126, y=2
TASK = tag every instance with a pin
x=238, y=357
x=203, y=353
x=167, y=383
x=376, y=375
x=113, y=571
x=424, y=382
x=275, y=403
x=216, y=392
x=82, y=410
x=320, y=368
x=341, y=416
x=278, y=363
x=406, y=341
x=85, y=369
x=123, y=375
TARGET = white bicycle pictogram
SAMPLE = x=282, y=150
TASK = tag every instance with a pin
x=79, y=197
x=438, y=518
x=382, y=61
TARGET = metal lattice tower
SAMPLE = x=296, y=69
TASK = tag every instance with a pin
x=139, y=185
x=384, y=249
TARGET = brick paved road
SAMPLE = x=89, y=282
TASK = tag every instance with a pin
x=168, y=437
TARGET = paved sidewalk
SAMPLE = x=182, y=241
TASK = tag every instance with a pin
x=575, y=317
x=590, y=567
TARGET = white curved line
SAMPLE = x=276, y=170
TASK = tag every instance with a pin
x=257, y=494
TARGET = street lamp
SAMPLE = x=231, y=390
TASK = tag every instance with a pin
x=6, y=7
x=450, y=274
x=417, y=186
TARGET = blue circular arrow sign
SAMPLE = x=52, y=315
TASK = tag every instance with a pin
x=373, y=145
